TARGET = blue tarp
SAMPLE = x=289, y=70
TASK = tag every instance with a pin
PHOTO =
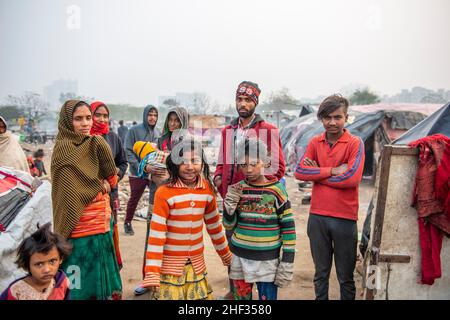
x=438, y=122
x=296, y=135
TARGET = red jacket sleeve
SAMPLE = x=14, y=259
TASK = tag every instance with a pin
x=276, y=154
x=306, y=173
x=219, y=167
x=352, y=177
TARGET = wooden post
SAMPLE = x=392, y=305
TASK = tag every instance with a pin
x=379, y=214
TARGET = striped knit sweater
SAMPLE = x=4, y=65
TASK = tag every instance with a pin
x=263, y=223
x=176, y=231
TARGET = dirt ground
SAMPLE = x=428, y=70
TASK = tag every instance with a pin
x=301, y=288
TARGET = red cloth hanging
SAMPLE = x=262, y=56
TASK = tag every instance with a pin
x=431, y=244
x=443, y=181
x=431, y=186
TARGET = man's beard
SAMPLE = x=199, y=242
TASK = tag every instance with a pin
x=247, y=113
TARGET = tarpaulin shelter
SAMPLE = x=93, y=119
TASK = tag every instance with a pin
x=438, y=122
x=394, y=258
x=20, y=223
x=375, y=128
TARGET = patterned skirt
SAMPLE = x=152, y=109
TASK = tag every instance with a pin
x=92, y=268
x=188, y=286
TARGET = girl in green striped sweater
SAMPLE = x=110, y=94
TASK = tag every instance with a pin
x=263, y=241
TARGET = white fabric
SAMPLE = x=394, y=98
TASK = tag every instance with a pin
x=37, y=210
x=253, y=271
x=285, y=273
x=11, y=153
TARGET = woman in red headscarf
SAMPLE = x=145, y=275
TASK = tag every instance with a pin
x=101, y=116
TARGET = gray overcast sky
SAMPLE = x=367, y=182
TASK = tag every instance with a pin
x=134, y=51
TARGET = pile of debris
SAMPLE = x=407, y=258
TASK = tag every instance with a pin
x=124, y=196
x=306, y=188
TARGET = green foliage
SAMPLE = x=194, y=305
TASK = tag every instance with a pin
x=171, y=102
x=63, y=97
x=280, y=100
x=11, y=112
x=433, y=98
x=125, y=112
x=363, y=97
x=31, y=104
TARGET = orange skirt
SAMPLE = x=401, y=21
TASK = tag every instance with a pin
x=95, y=219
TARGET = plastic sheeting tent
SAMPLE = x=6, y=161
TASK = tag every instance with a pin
x=37, y=210
x=438, y=122
x=14, y=194
x=296, y=135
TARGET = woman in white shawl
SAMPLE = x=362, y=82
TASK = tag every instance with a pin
x=11, y=153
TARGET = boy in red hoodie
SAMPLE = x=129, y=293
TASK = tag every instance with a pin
x=334, y=160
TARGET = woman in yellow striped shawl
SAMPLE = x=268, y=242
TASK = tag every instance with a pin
x=83, y=171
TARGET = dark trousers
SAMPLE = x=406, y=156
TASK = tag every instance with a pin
x=137, y=187
x=330, y=236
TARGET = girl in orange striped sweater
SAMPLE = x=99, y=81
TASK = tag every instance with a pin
x=174, y=258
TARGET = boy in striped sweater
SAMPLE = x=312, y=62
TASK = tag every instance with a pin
x=174, y=257
x=263, y=241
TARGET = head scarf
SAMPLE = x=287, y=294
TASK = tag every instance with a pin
x=11, y=153
x=79, y=165
x=182, y=114
x=97, y=127
x=249, y=89
x=167, y=136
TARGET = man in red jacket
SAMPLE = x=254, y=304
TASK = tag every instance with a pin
x=248, y=124
x=334, y=160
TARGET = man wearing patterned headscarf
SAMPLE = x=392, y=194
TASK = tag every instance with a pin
x=247, y=124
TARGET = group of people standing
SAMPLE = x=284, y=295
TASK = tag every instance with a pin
x=255, y=237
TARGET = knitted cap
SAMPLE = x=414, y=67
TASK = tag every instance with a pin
x=249, y=89
x=143, y=148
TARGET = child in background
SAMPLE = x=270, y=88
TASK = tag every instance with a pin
x=259, y=212
x=32, y=167
x=150, y=156
x=40, y=255
x=39, y=162
x=174, y=259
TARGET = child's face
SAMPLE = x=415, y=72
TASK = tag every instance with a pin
x=174, y=122
x=334, y=122
x=43, y=267
x=252, y=169
x=191, y=167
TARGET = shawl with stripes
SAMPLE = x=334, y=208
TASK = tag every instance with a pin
x=79, y=165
